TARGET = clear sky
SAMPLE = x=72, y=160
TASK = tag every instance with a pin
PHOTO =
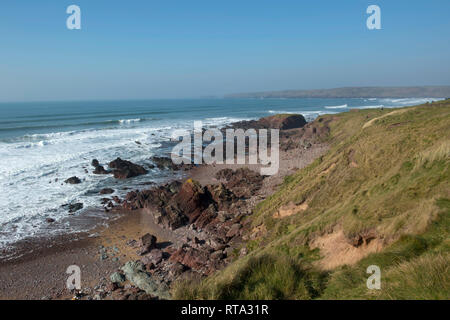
x=175, y=49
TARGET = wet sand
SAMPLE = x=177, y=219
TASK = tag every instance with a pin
x=40, y=271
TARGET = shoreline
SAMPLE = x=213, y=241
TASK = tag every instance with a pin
x=53, y=255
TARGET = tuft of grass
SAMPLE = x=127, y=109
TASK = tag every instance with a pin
x=425, y=277
x=439, y=152
x=262, y=277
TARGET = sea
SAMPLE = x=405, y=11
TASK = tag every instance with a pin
x=44, y=143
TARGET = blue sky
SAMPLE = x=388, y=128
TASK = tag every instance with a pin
x=178, y=49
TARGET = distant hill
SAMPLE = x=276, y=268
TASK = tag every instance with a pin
x=354, y=92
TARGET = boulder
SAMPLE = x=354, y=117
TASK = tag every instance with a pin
x=73, y=207
x=73, y=180
x=95, y=163
x=101, y=170
x=136, y=274
x=106, y=191
x=154, y=257
x=193, y=258
x=117, y=277
x=164, y=163
x=124, y=169
x=167, y=163
x=146, y=243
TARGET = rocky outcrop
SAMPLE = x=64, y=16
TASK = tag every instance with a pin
x=243, y=182
x=174, y=205
x=283, y=121
x=98, y=168
x=124, y=169
x=213, y=212
x=192, y=199
x=278, y=121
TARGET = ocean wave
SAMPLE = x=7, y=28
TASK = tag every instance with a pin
x=281, y=111
x=409, y=101
x=41, y=143
x=344, y=106
x=128, y=121
x=38, y=168
x=222, y=121
x=309, y=115
x=84, y=115
x=74, y=125
x=369, y=107
x=303, y=112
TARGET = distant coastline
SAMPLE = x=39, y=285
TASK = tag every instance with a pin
x=353, y=92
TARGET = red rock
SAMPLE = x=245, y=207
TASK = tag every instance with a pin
x=146, y=243
x=191, y=199
x=154, y=257
x=193, y=258
x=124, y=169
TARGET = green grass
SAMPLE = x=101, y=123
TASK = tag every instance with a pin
x=391, y=177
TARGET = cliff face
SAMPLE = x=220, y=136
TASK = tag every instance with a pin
x=380, y=196
x=354, y=92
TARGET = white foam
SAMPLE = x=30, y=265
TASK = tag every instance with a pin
x=369, y=107
x=344, y=106
x=128, y=121
x=307, y=114
x=409, y=101
x=31, y=164
x=221, y=121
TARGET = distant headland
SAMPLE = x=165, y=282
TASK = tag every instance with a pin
x=354, y=92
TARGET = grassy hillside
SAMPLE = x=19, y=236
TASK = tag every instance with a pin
x=380, y=196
